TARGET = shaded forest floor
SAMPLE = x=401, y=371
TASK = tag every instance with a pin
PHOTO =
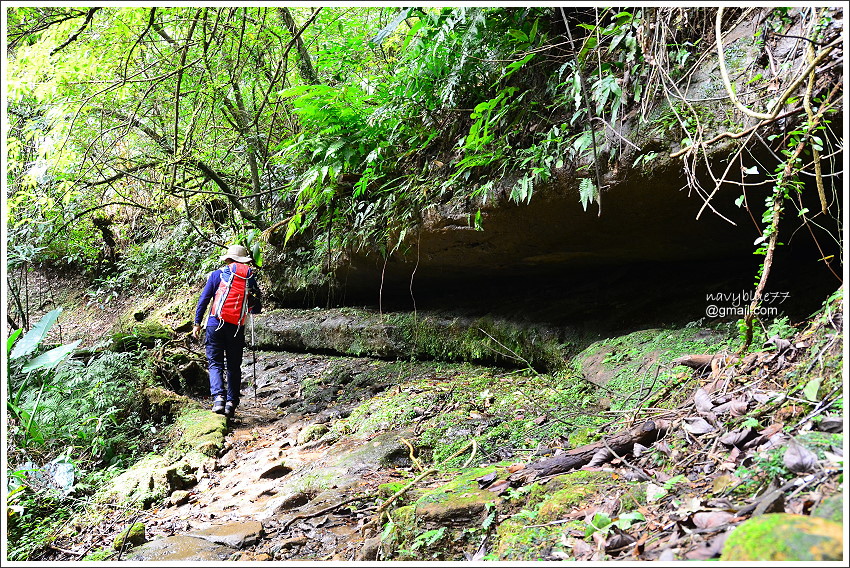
x=327, y=441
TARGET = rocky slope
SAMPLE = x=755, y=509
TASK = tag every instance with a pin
x=342, y=458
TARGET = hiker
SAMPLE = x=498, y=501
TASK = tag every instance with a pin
x=234, y=294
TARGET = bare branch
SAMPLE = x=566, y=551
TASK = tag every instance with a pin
x=68, y=41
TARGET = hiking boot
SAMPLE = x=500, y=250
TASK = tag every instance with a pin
x=218, y=405
x=229, y=408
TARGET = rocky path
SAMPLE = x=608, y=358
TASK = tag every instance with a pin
x=278, y=491
x=291, y=480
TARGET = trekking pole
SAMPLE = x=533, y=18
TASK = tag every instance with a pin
x=254, y=355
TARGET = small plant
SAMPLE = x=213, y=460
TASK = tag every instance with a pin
x=602, y=523
x=428, y=538
x=781, y=328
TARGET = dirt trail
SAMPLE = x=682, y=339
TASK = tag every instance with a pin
x=272, y=493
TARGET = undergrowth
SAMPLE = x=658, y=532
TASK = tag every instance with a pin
x=72, y=426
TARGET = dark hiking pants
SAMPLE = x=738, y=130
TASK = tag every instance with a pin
x=225, y=346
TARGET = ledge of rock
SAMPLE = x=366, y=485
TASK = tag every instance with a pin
x=361, y=332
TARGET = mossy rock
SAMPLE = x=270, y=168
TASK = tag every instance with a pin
x=146, y=334
x=387, y=490
x=538, y=492
x=452, y=508
x=384, y=450
x=143, y=484
x=457, y=502
x=403, y=528
x=134, y=535
x=162, y=402
x=152, y=479
x=311, y=432
x=455, y=508
x=99, y=555
x=577, y=486
x=831, y=508
x=201, y=430
x=516, y=542
x=782, y=537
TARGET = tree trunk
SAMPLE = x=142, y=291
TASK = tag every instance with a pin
x=305, y=66
x=240, y=115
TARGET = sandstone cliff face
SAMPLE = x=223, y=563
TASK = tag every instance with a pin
x=651, y=214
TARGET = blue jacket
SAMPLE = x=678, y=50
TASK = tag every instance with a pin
x=207, y=294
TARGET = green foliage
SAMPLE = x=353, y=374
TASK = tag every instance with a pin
x=93, y=408
x=21, y=376
x=34, y=515
x=34, y=336
x=405, y=108
x=587, y=192
x=428, y=538
x=68, y=416
x=602, y=523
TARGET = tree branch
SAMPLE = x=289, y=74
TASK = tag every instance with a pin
x=68, y=41
x=210, y=174
x=121, y=174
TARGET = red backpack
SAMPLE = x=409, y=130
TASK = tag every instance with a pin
x=230, y=303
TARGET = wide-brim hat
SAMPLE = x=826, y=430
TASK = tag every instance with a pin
x=237, y=253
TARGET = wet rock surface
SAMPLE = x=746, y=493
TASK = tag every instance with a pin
x=180, y=548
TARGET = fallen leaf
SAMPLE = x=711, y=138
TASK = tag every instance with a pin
x=799, y=459
x=601, y=456
x=487, y=480
x=654, y=492
x=737, y=407
x=540, y=419
x=618, y=540
x=736, y=437
x=516, y=467
x=832, y=424
x=781, y=344
x=709, y=549
x=810, y=391
x=723, y=482
x=696, y=425
x=663, y=447
x=776, y=441
x=662, y=477
x=499, y=488
x=702, y=401
x=579, y=547
x=832, y=458
x=599, y=539
x=709, y=519
x=689, y=505
x=771, y=430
